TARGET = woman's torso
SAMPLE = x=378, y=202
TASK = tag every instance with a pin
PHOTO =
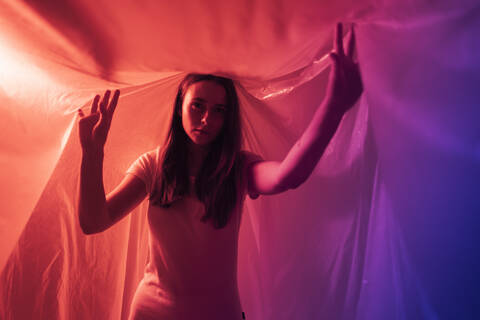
x=192, y=267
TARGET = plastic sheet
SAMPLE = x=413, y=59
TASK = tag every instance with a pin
x=387, y=227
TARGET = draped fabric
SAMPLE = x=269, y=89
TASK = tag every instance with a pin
x=386, y=227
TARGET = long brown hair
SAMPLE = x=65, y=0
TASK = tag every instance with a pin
x=215, y=184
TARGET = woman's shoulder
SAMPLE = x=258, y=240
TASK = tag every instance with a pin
x=149, y=159
x=153, y=154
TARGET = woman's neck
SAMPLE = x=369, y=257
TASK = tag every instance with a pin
x=196, y=155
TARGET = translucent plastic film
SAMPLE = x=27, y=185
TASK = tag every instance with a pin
x=387, y=226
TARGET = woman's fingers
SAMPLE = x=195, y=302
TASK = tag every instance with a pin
x=351, y=44
x=338, y=43
x=93, y=128
x=335, y=63
x=113, y=102
x=104, y=103
x=94, y=107
x=106, y=108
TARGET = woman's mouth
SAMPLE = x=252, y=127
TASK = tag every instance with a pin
x=201, y=131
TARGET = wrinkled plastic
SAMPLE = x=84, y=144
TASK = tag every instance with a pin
x=387, y=227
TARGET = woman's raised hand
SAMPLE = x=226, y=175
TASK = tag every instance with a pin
x=345, y=82
x=93, y=128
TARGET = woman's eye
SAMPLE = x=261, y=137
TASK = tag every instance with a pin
x=196, y=105
x=220, y=110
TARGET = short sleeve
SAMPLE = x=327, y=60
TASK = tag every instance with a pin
x=249, y=159
x=145, y=168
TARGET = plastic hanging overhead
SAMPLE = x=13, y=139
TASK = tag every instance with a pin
x=386, y=227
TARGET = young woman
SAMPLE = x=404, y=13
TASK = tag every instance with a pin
x=196, y=183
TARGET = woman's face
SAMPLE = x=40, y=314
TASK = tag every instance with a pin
x=203, y=111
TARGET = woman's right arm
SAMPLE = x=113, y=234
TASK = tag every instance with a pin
x=96, y=211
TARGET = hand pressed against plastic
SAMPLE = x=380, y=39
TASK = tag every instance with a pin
x=345, y=83
x=203, y=111
x=343, y=90
x=93, y=128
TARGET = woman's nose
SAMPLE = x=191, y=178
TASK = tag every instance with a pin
x=205, y=118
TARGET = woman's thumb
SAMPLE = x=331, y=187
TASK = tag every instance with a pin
x=89, y=120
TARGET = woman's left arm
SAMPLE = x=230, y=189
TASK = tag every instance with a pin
x=343, y=90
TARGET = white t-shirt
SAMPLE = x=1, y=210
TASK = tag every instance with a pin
x=192, y=267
